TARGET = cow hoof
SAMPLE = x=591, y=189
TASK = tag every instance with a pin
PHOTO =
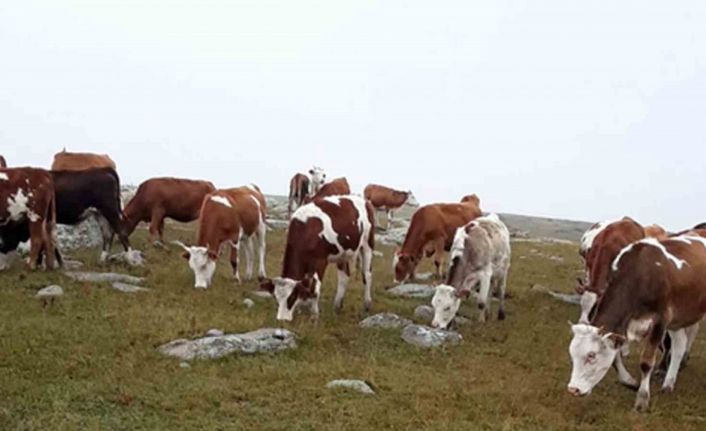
x=668, y=388
x=642, y=403
x=501, y=314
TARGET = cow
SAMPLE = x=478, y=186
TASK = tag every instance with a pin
x=656, y=287
x=431, y=232
x=334, y=229
x=158, y=198
x=3, y=163
x=66, y=161
x=336, y=187
x=480, y=255
x=303, y=186
x=388, y=200
x=226, y=216
x=27, y=195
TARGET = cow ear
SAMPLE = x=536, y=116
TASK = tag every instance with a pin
x=186, y=255
x=212, y=255
x=462, y=293
x=614, y=340
x=266, y=285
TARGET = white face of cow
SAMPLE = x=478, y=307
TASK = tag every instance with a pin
x=318, y=177
x=411, y=200
x=202, y=262
x=592, y=354
x=445, y=303
x=290, y=294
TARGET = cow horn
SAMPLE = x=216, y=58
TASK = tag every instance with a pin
x=180, y=244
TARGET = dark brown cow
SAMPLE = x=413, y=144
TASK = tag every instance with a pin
x=656, y=287
x=66, y=161
x=431, y=232
x=3, y=163
x=226, y=216
x=386, y=199
x=303, y=186
x=337, y=187
x=158, y=198
x=27, y=195
x=336, y=229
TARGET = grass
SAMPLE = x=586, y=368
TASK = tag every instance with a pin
x=89, y=361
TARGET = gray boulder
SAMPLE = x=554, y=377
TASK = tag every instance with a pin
x=86, y=234
x=248, y=303
x=104, y=277
x=426, y=337
x=426, y=314
x=266, y=340
x=355, y=385
x=385, y=321
x=52, y=291
x=128, y=288
x=131, y=258
x=277, y=223
x=412, y=290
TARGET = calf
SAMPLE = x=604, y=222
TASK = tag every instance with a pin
x=336, y=229
x=655, y=287
x=480, y=255
x=226, y=216
x=158, y=198
x=386, y=199
x=303, y=186
x=66, y=161
x=432, y=231
x=27, y=199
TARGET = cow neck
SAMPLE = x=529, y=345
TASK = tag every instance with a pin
x=615, y=309
x=414, y=241
x=293, y=266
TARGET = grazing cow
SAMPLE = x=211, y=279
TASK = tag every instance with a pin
x=656, y=287
x=432, y=231
x=336, y=229
x=337, y=187
x=159, y=198
x=66, y=161
x=27, y=195
x=655, y=231
x=226, y=216
x=480, y=255
x=303, y=186
x=386, y=199
x=3, y=163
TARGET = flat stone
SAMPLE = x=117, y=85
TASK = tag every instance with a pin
x=261, y=294
x=426, y=337
x=128, y=288
x=248, y=303
x=184, y=365
x=385, y=321
x=267, y=340
x=377, y=253
x=277, y=223
x=564, y=297
x=424, y=312
x=72, y=264
x=412, y=290
x=131, y=258
x=214, y=333
x=355, y=385
x=52, y=291
x=424, y=276
x=104, y=277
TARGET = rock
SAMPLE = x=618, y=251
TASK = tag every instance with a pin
x=385, y=321
x=377, y=253
x=424, y=276
x=393, y=236
x=413, y=290
x=126, y=193
x=460, y=320
x=261, y=294
x=72, y=264
x=568, y=298
x=104, y=277
x=355, y=385
x=130, y=257
x=266, y=340
x=128, y=288
x=248, y=303
x=214, y=333
x=424, y=336
x=424, y=312
x=277, y=223
x=52, y=291
x=184, y=365
x=86, y=234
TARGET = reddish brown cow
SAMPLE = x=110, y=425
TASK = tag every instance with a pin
x=386, y=199
x=66, y=161
x=335, y=229
x=27, y=196
x=303, y=186
x=337, y=187
x=432, y=231
x=159, y=198
x=656, y=231
x=656, y=287
x=226, y=216
x=3, y=163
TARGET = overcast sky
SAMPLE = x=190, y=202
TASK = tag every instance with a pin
x=586, y=110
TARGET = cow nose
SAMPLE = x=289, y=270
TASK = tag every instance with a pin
x=574, y=391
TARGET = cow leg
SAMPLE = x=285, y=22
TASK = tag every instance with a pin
x=624, y=376
x=484, y=297
x=156, y=221
x=106, y=234
x=343, y=275
x=680, y=341
x=366, y=270
x=389, y=219
x=36, y=234
x=234, y=261
x=438, y=252
x=501, y=286
x=647, y=365
x=262, y=248
x=691, y=333
x=249, y=246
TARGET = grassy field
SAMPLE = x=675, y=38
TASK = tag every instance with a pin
x=89, y=361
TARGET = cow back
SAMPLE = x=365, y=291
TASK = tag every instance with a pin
x=66, y=161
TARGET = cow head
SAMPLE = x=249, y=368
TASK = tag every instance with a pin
x=404, y=265
x=290, y=293
x=446, y=302
x=411, y=200
x=592, y=354
x=318, y=178
x=202, y=261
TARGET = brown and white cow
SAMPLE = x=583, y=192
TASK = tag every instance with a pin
x=159, y=198
x=335, y=229
x=66, y=161
x=335, y=187
x=3, y=163
x=27, y=195
x=388, y=200
x=303, y=186
x=656, y=287
x=431, y=232
x=226, y=216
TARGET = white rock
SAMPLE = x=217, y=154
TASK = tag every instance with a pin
x=184, y=365
x=261, y=294
x=356, y=385
x=70, y=264
x=277, y=223
x=248, y=303
x=424, y=276
x=377, y=253
x=128, y=288
x=412, y=290
x=424, y=312
x=104, y=277
x=266, y=340
x=52, y=291
x=568, y=298
x=385, y=321
x=131, y=257
x=424, y=336
x=214, y=333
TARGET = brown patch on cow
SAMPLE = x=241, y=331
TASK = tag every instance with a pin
x=385, y=198
x=3, y=163
x=336, y=187
x=66, y=161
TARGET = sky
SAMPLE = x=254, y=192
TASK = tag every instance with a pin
x=570, y=109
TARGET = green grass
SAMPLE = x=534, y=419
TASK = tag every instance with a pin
x=89, y=361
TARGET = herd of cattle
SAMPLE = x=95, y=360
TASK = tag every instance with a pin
x=641, y=283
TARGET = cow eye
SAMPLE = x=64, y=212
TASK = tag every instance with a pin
x=447, y=308
x=591, y=357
